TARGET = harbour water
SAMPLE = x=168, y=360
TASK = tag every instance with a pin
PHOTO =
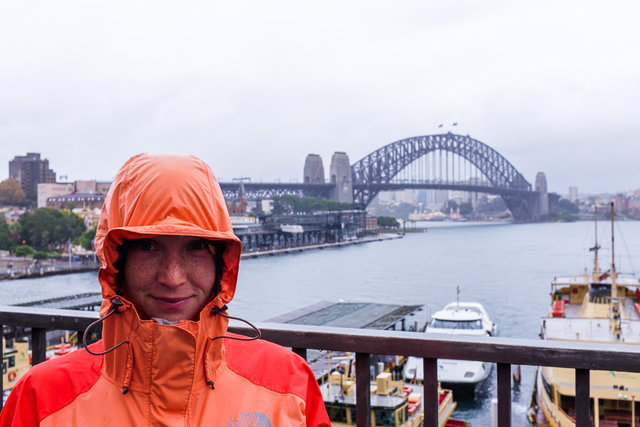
x=506, y=267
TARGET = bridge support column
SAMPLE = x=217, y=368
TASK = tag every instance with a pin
x=313, y=169
x=340, y=173
x=541, y=206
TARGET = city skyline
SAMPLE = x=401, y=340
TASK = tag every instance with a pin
x=571, y=193
x=253, y=88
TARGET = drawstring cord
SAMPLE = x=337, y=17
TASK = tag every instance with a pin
x=115, y=305
x=207, y=372
x=219, y=310
x=127, y=372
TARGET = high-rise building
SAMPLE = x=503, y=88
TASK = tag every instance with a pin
x=29, y=171
x=573, y=194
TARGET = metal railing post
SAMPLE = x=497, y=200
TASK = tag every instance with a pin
x=302, y=352
x=431, y=398
x=363, y=392
x=79, y=338
x=2, y=371
x=583, y=405
x=38, y=345
x=504, y=394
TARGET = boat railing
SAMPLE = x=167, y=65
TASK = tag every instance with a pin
x=505, y=352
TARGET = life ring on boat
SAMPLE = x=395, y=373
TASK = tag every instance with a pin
x=12, y=376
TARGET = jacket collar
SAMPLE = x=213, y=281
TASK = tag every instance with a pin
x=163, y=359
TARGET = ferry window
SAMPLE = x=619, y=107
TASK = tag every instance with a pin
x=337, y=414
x=452, y=324
x=384, y=418
x=547, y=387
x=568, y=405
x=12, y=361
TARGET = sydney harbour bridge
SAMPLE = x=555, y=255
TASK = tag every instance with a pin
x=438, y=162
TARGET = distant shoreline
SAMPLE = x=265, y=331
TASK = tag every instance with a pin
x=29, y=272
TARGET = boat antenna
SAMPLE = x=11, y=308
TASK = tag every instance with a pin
x=596, y=270
x=458, y=297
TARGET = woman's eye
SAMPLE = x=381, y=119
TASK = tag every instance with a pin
x=144, y=245
x=198, y=245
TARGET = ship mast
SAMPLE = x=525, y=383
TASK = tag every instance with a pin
x=614, y=287
x=596, y=247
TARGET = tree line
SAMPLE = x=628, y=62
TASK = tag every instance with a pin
x=11, y=193
x=297, y=205
x=44, y=231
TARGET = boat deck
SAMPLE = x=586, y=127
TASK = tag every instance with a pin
x=573, y=327
x=331, y=393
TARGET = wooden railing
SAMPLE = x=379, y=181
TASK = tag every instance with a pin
x=505, y=352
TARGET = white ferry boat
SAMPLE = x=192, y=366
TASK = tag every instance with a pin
x=457, y=318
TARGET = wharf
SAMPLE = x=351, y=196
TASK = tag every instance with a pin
x=294, y=249
x=85, y=301
x=363, y=315
x=23, y=268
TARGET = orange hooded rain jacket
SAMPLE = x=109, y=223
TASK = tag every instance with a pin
x=167, y=375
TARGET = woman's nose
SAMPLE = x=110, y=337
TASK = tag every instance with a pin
x=172, y=271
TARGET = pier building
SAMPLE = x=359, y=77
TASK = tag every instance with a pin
x=88, y=200
x=76, y=191
x=283, y=231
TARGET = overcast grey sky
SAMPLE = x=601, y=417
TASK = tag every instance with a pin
x=252, y=87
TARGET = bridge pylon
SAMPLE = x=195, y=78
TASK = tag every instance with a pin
x=341, y=176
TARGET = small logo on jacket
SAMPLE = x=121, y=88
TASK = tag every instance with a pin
x=250, y=419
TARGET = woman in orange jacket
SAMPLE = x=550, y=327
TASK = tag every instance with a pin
x=169, y=268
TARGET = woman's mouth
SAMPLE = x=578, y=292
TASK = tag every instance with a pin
x=171, y=303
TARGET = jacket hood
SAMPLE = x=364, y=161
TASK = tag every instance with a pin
x=163, y=194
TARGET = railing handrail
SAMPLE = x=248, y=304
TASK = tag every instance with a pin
x=521, y=351
x=505, y=352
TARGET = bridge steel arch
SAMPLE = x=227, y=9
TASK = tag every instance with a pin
x=375, y=172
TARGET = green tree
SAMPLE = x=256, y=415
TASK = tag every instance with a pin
x=388, y=222
x=283, y=205
x=49, y=229
x=296, y=205
x=10, y=192
x=40, y=255
x=87, y=238
x=24, y=251
x=566, y=206
x=5, y=234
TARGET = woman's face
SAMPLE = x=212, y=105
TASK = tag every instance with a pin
x=170, y=277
